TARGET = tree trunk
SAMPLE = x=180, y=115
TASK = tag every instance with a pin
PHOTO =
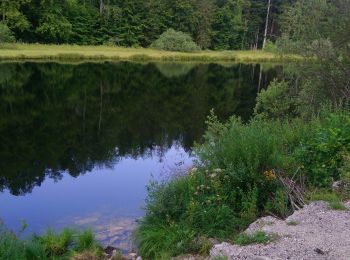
x=101, y=7
x=3, y=10
x=267, y=23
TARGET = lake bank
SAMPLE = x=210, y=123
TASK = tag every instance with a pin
x=75, y=52
x=314, y=232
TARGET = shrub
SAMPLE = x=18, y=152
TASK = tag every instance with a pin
x=6, y=35
x=235, y=182
x=275, y=102
x=322, y=155
x=345, y=169
x=172, y=40
x=270, y=46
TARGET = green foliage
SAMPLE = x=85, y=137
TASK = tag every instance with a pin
x=345, y=168
x=6, y=35
x=221, y=257
x=270, y=46
x=331, y=197
x=54, y=28
x=322, y=154
x=228, y=26
x=56, y=245
x=48, y=246
x=235, y=183
x=279, y=203
x=259, y=237
x=293, y=223
x=320, y=34
x=225, y=24
x=275, y=102
x=172, y=40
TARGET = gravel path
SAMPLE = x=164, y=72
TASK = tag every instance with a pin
x=314, y=232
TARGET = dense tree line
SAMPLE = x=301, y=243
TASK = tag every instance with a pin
x=214, y=24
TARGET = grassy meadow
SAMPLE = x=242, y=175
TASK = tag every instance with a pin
x=76, y=52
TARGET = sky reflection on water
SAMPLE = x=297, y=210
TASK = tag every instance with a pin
x=108, y=200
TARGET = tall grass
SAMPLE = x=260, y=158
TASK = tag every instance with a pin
x=74, y=52
x=64, y=245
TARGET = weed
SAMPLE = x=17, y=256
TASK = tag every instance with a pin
x=220, y=257
x=292, y=223
x=259, y=237
x=331, y=197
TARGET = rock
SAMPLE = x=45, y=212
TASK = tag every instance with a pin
x=114, y=254
x=109, y=250
x=131, y=256
x=321, y=233
x=338, y=185
x=213, y=241
x=319, y=251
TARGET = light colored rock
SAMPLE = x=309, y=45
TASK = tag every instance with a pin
x=319, y=233
x=132, y=256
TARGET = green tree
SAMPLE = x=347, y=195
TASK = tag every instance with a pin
x=228, y=26
x=12, y=15
x=204, y=31
x=6, y=35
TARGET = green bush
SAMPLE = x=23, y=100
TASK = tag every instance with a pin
x=6, y=35
x=345, y=169
x=234, y=184
x=275, y=102
x=322, y=155
x=172, y=40
x=236, y=180
x=270, y=46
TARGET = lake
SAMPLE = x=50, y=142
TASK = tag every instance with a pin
x=80, y=142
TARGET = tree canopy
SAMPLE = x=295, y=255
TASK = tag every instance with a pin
x=213, y=24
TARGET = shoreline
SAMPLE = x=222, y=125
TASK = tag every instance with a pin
x=38, y=52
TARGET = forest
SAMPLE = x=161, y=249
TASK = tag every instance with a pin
x=213, y=24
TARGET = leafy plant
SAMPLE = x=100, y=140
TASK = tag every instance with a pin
x=233, y=184
x=276, y=101
x=6, y=35
x=64, y=245
x=172, y=40
x=259, y=237
x=322, y=154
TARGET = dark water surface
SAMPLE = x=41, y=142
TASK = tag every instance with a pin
x=80, y=142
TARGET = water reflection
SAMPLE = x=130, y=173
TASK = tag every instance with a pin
x=119, y=122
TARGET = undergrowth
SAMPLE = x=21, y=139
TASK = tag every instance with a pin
x=236, y=180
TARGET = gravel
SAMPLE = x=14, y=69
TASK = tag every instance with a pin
x=314, y=232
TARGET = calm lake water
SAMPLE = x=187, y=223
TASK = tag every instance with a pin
x=80, y=142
